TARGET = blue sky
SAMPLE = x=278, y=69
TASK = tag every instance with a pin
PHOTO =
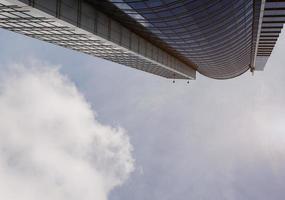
x=208, y=139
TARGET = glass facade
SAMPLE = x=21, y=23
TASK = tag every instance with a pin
x=217, y=36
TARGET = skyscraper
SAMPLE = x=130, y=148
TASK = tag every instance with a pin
x=218, y=38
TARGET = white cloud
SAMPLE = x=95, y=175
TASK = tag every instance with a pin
x=51, y=146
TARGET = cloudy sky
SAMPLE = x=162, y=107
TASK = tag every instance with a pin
x=79, y=127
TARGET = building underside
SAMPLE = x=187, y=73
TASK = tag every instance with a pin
x=220, y=39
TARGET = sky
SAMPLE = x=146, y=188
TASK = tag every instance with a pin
x=75, y=126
